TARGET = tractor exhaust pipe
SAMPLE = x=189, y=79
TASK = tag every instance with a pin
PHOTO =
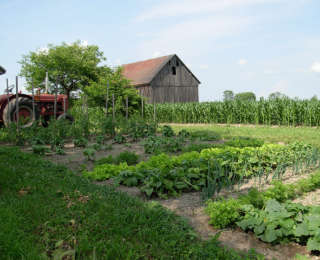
x=2, y=70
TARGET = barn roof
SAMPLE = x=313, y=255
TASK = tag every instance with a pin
x=143, y=72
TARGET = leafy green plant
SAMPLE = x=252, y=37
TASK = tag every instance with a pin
x=223, y=213
x=130, y=158
x=167, y=131
x=40, y=149
x=106, y=160
x=80, y=142
x=89, y=153
x=119, y=139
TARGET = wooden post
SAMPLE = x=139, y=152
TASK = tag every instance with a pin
x=33, y=105
x=127, y=107
x=17, y=103
x=64, y=105
x=142, y=107
x=8, y=103
x=107, y=98
x=55, y=100
x=113, y=108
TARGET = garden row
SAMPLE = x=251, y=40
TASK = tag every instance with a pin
x=209, y=170
x=270, y=215
x=283, y=111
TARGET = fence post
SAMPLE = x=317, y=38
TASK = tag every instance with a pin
x=127, y=107
x=107, y=98
x=113, y=108
x=142, y=107
x=33, y=106
x=8, y=102
x=17, y=103
x=55, y=100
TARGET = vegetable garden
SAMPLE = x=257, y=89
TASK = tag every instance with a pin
x=243, y=182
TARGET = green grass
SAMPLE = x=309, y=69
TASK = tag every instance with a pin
x=46, y=210
x=269, y=134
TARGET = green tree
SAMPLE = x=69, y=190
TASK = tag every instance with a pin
x=228, y=95
x=276, y=95
x=245, y=96
x=70, y=67
x=119, y=86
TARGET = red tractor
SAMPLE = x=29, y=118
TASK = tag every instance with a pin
x=43, y=108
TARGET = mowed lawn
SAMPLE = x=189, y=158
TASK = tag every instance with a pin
x=48, y=212
x=272, y=134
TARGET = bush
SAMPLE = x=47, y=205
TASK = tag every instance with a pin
x=223, y=213
x=167, y=131
x=130, y=158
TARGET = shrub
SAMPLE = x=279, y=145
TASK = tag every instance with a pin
x=130, y=158
x=167, y=131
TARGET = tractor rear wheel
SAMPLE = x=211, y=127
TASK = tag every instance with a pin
x=25, y=112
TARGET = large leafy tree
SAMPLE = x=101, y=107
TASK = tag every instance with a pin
x=70, y=66
x=113, y=83
x=245, y=96
x=228, y=95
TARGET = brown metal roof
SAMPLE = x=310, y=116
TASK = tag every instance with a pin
x=143, y=72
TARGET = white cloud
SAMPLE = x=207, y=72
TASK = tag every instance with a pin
x=187, y=7
x=242, y=62
x=315, y=67
x=196, y=34
x=156, y=54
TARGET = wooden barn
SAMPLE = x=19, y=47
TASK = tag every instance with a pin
x=163, y=80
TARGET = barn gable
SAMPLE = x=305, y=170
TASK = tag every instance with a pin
x=163, y=79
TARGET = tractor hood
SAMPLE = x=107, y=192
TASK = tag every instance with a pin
x=2, y=70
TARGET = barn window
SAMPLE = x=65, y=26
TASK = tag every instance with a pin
x=174, y=72
x=177, y=63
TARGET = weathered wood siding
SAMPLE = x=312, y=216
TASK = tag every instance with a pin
x=182, y=87
x=169, y=88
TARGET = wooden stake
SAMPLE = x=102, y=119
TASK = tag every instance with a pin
x=8, y=102
x=55, y=100
x=17, y=103
x=154, y=111
x=33, y=105
x=107, y=98
x=127, y=108
x=142, y=107
x=113, y=108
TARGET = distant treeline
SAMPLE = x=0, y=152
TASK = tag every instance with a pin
x=278, y=111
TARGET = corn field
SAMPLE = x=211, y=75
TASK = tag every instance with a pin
x=290, y=112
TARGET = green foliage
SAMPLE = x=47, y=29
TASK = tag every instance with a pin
x=244, y=142
x=119, y=139
x=167, y=131
x=220, y=167
x=58, y=207
x=184, y=133
x=158, y=144
x=130, y=158
x=105, y=160
x=80, y=142
x=223, y=213
x=204, y=135
x=245, y=96
x=90, y=154
x=284, y=222
x=228, y=95
x=285, y=111
x=40, y=149
x=73, y=66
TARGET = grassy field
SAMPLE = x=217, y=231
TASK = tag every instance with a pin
x=47, y=211
x=267, y=133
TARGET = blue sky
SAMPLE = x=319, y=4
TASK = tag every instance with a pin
x=241, y=45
